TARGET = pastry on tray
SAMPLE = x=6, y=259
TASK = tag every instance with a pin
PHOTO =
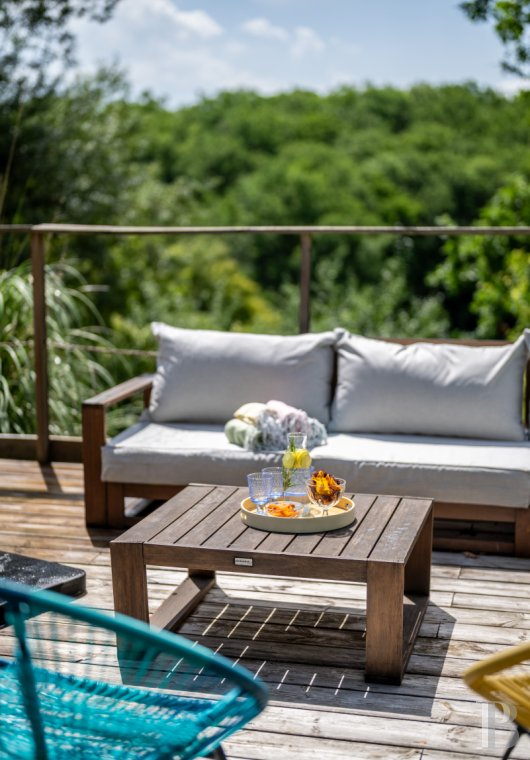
x=283, y=509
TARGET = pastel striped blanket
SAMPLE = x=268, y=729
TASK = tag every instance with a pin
x=265, y=427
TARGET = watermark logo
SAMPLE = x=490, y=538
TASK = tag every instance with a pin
x=496, y=718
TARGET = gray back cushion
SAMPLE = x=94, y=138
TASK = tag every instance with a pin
x=430, y=389
x=205, y=375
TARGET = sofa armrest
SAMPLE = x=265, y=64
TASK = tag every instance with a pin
x=94, y=424
x=121, y=392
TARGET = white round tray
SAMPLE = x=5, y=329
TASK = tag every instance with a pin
x=315, y=522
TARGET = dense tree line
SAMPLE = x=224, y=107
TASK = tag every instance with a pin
x=374, y=156
x=377, y=156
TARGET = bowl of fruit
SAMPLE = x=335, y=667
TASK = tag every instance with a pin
x=325, y=490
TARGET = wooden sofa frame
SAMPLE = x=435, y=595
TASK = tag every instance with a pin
x=105, y=501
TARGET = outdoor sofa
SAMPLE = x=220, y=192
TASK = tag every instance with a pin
x=445, y=420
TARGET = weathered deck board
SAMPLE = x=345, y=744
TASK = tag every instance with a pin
x=305, y=638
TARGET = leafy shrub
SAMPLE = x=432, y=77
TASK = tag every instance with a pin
x=73, y=372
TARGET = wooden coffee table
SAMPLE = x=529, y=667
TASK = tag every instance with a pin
x=388, y=547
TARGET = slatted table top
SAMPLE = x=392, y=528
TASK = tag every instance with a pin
x=201, y=527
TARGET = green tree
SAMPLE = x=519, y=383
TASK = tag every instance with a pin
x=511, y=20
x=195, y=283
x=72, y=158
x=491, y=273
x=74, y=373
x=34, y=34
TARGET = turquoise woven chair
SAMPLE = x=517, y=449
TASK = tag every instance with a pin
x=76, y=683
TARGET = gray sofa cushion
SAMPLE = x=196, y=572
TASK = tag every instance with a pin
x=429, y=389
x=204, y=375
x=457, y=470
x=172, y=453
x=451, y=470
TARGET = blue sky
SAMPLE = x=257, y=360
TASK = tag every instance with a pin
x=181, y=50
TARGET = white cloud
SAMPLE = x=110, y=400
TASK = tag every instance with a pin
x=262, y=27
x=180, y=55
x=306, y=42
x=511, y=86
x=236, y=49
x=185, y=23
x=186, y=74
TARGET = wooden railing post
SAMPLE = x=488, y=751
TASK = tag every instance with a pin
x=304, y=317
x=41, y=347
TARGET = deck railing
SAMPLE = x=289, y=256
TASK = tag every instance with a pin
x=45, y=448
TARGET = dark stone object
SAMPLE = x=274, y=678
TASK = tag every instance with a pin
x=41, y=574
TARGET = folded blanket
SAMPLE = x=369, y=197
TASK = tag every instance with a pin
x=283, y=410
x=272, y=426
x=249, y=412
x=237, y=431
x=273, y=432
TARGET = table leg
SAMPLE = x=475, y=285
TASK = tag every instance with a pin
x=418, y=567
x=397, y=598
x=181, y=603
x=384, y=622
x=417, y=587
x=129, y=580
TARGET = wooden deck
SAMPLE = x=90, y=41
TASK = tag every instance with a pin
x=304, y=638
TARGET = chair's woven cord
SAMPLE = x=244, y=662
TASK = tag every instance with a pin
x=27, y=682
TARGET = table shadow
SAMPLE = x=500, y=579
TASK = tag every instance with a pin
x=310, y=654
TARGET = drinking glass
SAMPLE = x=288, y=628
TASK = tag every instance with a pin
x=277, y=481
x=296, y=463
x=259, y=488
x=296, y=440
